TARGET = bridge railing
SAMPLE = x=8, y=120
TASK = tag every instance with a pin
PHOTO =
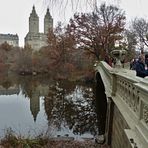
x=105, y=71
x=130, y=91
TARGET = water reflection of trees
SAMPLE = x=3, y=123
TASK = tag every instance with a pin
x=72, y=106
x=30, y=84
x=66, y=103
x=7, y=80
x=8, y=84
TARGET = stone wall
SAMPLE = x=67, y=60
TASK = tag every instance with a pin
x=129, y=118
x=118, y=136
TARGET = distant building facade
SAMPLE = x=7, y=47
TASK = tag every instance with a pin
x=34, y=38
x=9, y=91
x=11, y=39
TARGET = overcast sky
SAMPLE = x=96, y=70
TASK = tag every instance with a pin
x=14, y=14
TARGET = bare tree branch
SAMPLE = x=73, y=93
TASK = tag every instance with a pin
x=140, y=26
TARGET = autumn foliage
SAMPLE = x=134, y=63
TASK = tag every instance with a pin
x=97, y=32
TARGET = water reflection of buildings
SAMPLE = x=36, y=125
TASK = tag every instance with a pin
x=40, y=90
x=35, y=104
x=9, y=91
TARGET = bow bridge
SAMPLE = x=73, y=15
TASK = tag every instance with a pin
x=127, y=111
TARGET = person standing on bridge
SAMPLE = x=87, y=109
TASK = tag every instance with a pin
x=140, y=67
x=108, y=60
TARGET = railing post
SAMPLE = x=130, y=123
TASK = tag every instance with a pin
x=114, y=84
x=109, y=120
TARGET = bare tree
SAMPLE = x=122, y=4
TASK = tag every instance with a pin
x=73, y=3
x=140, y=27
x=130, y=42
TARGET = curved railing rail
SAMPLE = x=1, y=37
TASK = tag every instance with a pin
x=130, y=94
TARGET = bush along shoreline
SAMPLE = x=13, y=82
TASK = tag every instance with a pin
x=12, y=140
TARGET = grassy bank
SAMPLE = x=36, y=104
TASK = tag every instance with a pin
x=12, y=140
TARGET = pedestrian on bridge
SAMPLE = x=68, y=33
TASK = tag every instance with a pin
x=133, y=64
x=140, y=67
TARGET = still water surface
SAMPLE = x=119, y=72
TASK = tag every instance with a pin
x=34, y=105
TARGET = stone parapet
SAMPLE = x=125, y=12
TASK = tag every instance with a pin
x=130, y=95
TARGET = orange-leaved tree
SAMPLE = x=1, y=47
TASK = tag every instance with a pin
x=60, y=46
x=98, y=31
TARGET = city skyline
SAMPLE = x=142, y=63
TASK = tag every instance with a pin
x=14, y=14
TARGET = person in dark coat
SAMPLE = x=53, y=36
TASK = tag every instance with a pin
x=133, y=64
x=140, y=68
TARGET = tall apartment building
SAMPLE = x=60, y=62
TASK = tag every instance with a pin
x=34, y=38
x=11, y=39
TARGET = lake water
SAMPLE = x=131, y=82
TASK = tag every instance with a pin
x=35, y=105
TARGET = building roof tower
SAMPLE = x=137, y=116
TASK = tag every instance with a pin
x=33, y=21
x=48, y=22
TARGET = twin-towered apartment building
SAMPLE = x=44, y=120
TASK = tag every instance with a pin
x=34, y=38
